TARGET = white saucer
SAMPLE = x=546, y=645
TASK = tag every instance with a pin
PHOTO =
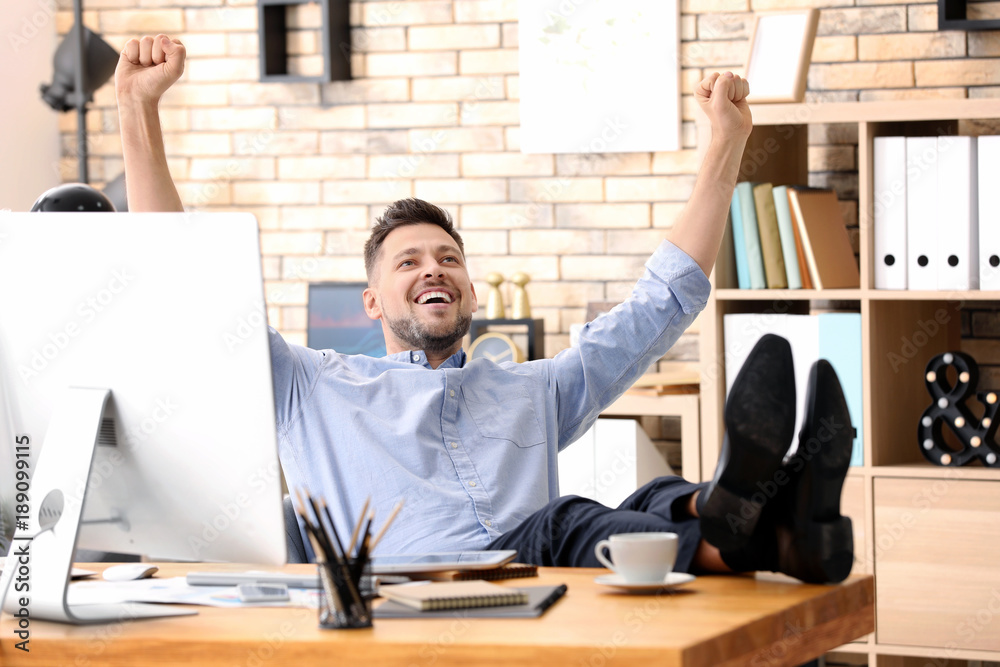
x=617, y=581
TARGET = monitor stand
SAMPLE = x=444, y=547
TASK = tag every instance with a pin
x=41, y=555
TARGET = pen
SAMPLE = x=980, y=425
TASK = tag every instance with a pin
x=552, y=598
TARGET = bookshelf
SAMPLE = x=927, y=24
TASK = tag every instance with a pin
x=924, y=531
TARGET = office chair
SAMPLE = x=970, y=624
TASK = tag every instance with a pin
x=295, y=540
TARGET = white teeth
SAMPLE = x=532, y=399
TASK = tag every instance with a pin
x=427, y=296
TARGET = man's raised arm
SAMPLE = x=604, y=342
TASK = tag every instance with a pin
x=146, y=68
x=698, y=229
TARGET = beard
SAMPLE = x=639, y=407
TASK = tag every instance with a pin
x=417, y=336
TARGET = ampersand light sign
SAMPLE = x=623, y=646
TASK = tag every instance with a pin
x=949, y=409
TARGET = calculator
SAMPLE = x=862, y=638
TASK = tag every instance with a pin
x=263, y=592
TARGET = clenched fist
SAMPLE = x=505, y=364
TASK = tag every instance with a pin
x=147, y=67
x=723, y=99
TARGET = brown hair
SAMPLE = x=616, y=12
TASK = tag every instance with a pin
x=411, y=211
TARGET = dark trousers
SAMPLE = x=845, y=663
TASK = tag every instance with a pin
x=565, y=532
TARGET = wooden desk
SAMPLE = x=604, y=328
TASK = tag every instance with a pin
x=716, y=620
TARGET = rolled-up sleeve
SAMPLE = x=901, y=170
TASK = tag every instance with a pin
x=687, y=281
x=618, y=347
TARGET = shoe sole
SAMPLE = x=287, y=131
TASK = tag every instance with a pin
x=760, y=424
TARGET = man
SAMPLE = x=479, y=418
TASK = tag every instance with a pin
x=472, y=447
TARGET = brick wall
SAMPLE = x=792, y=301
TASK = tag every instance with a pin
x=433, y=113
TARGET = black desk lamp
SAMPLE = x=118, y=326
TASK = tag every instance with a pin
x=83, y=63
x=71, y=197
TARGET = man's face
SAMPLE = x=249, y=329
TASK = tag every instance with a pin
x=422, y=294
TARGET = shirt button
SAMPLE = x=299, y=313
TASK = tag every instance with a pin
x=416, y=357
x=472, y=483
x=452, y=393
x=489, y=524
x=454, y=445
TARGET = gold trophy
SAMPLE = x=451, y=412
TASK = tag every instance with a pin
x=521, y=309
x=494, y=302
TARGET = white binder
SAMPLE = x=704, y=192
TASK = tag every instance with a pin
x=989, y=213
x=957, y=255
x=921, y=213
x=890, y=212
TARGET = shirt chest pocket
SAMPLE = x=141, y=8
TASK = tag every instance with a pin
x=504, y=412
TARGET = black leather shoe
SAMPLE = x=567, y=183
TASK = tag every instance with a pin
x=760, y=424
x=803, y=533
x=816, y=543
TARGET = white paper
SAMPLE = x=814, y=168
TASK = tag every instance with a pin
x=599, y=76
x=775, y=55
x=175, y=590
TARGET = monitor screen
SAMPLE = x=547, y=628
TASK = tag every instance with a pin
x=338, y=321
x=165, y=313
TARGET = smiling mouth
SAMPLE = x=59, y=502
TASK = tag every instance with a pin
x=434, y=297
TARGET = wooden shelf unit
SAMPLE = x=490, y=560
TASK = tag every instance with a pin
x=893, y=464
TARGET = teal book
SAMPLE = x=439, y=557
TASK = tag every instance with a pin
x=751, y=236
x=784, y=215
x=840, y=344
x=739, y=246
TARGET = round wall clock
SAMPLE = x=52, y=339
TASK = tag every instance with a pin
x=496, y=347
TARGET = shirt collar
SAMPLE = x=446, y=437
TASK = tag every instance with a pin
x=456, y=360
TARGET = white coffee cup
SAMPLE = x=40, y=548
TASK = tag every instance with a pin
x=639, y=557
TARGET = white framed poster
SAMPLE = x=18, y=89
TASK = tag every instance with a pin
x=599, y=76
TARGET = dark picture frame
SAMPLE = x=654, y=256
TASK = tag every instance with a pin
x=337, y=320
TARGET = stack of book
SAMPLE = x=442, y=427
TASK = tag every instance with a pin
x=935, y=221
x=834, y=336
x=790, y=237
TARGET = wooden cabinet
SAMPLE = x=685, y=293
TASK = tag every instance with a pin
x=941, y=569
x=936, y=577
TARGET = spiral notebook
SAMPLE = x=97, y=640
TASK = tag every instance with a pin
x=432, y=596
x=508, y=571
x=540, y=598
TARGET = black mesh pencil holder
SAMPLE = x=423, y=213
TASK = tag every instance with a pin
x=346, y=597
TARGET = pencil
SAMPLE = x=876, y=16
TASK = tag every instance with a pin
x=342, y=559
x=333, y=528
x=385, y=526
x=357, y=528
x=316, y=528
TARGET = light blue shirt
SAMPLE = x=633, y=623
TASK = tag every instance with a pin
x=471, y=447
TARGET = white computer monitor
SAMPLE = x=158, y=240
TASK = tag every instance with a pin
x=134, y=353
